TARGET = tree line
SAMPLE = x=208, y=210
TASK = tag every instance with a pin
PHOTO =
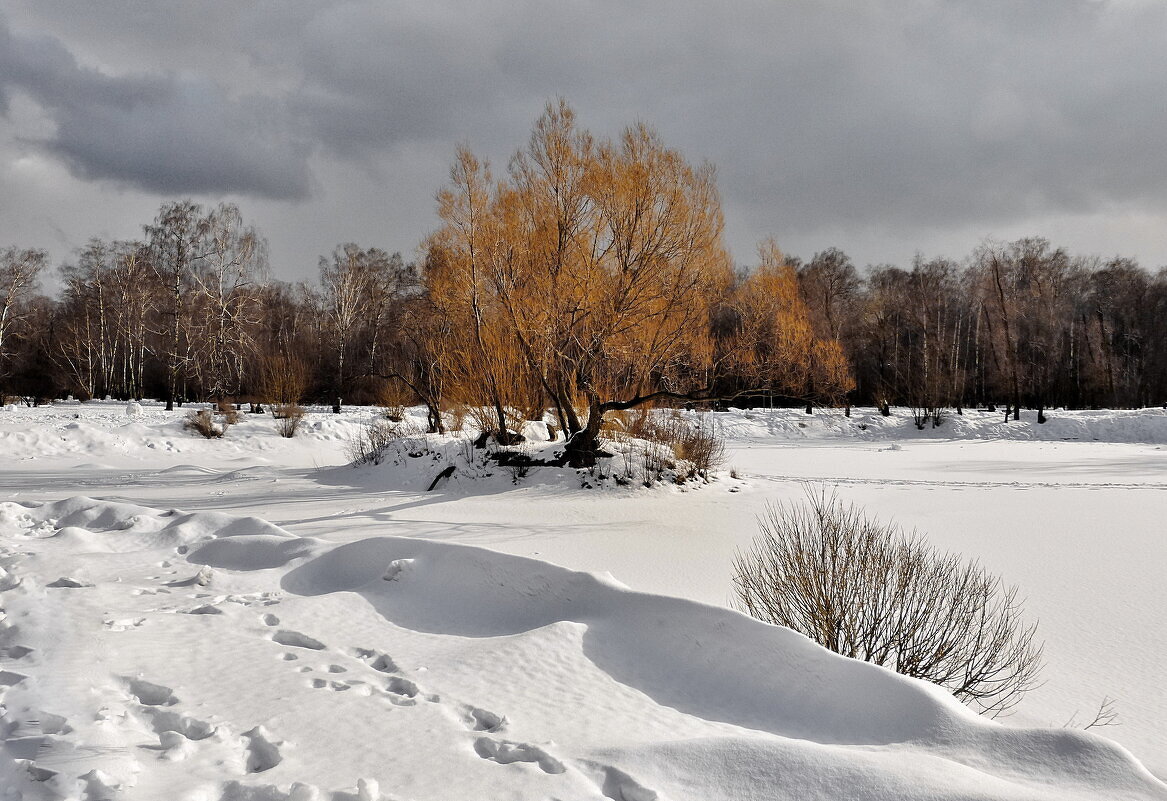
x=588, y=276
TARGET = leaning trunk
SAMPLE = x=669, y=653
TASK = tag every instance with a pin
x=583, y=445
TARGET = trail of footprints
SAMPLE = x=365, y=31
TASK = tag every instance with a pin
x=399, y=690
x=381, y=676
x=377, y=674
x=41, y=740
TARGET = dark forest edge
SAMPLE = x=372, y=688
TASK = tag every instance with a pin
x=589, y=277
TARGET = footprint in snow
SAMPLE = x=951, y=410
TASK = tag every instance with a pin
x=295, y=639
x=263, y=753
x=359, y=686
x=67, y=583
x=164, y=720
x=483, y=720
x=402, y=687
x=148, y=693
x=504, y=752
x=615, y=783
x=377, y=660
x=10, y=678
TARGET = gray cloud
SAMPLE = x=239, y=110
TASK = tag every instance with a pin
x=880, y=125
x=160, y=131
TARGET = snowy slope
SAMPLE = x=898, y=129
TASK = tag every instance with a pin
x=161, y=654
x=623, y=689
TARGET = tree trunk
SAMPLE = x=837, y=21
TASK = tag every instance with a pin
x=503, y=436
x=583, y=445
x=436, y=424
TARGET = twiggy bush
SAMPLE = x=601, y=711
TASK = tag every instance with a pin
x=370, y=443
x=367, y=444
x=456, y=418
x=288, y=417
x=869, y=591
x=698, y=443
x=283, y=378
x=202, y=422
x=701, y=444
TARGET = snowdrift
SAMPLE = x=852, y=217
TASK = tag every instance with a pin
x=156, y=654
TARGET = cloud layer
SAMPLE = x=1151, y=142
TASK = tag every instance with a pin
x=870, y=123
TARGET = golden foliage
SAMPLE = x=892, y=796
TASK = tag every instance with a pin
x=776, y=343
x=589, y=276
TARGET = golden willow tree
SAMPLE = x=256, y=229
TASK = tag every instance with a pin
x=588, y=277
x=775, y=347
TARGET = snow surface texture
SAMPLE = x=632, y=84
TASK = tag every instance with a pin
x=151, y=653
x=233, y=659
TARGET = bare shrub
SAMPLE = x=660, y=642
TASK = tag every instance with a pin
x=394, y=398
x=519, y=468
x=367, y=445
x=202, y=422
x=698, y=443
x=653, y=462
x=412, y=437
x=938, y=415
x=629, y=458
x=617, y=422
x=466, y=449
x=869, y=591
x=701, y=444
x=227, y=413
x=371, y=441
x=283, y=379
x=288, y=417
x=1107, y=715
x=456, y=418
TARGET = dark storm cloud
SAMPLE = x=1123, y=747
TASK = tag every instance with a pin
x=164, y=132
x=919, y=116
x=816, y=113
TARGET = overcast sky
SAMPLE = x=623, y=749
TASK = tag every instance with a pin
x=882, y=128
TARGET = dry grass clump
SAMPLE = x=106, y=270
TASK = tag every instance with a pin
x=202, y=422
x=656, y=445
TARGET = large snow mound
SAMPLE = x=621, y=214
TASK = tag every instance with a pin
x=152, y=654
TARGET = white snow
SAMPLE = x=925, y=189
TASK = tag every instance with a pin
x=248, y=618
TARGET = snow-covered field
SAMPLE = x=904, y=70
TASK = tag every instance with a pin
x=249, y=618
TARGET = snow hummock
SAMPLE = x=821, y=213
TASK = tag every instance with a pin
x=249, y=619
x=433, y=670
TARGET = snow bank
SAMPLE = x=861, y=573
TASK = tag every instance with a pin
x=1128, y=425
x=203, y=656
